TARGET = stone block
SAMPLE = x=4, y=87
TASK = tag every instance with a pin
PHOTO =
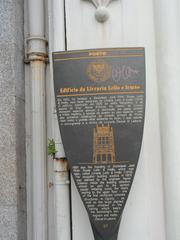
x=8, y=223
x=11, y=22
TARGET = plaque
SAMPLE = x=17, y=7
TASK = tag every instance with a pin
x=100, y=100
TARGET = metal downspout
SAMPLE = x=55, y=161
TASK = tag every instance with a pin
x=37, y=57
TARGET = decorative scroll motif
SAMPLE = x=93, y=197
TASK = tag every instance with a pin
x=101, y=13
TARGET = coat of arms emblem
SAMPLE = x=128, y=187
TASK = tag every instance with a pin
x=99, y=71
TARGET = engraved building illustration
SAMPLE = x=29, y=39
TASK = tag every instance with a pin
x=103, y=144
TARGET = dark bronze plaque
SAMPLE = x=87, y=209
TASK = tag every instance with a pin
x=100, y=99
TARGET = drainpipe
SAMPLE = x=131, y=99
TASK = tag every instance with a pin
x=37, y=57
x=61, y=189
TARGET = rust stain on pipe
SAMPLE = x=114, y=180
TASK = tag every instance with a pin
x=61, y=167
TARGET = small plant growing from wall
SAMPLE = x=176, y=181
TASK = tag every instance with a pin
x=51, y=148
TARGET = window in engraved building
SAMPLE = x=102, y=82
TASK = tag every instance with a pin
x=103, y=157
x=109, y=157
x=98, y=158
x=103, y=140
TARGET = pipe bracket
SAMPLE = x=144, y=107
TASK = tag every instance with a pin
x=36, y=49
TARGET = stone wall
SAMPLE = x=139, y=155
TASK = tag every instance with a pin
x=12, y=122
